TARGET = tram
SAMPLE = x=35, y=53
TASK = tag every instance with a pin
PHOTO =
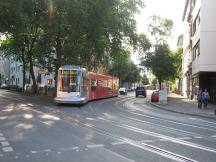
x=77, y=86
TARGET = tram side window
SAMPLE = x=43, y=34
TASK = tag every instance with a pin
x=93, y=85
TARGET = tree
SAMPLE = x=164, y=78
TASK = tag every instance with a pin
x=177, y=61
x=133, y=75
x=145, y=80
x=159, y=59
x=23, y=20
x=85, y=33
x=161, y=63
x=160, y=29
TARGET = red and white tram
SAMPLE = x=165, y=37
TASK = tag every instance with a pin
x=77, y=86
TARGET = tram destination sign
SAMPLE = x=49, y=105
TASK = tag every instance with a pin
x=69, y=72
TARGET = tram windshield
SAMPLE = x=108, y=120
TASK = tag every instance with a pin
x=70, y=80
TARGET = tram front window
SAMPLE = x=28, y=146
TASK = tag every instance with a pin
x=70, y=80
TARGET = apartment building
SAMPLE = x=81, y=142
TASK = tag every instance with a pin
x=199, y=57
x=4, y=70
x=16, y=75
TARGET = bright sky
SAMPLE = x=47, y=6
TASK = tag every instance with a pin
x=171, y=9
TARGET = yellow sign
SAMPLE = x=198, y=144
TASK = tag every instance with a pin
x=69, y=72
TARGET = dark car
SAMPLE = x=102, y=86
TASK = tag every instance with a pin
x=155, y=96
x=140, y=91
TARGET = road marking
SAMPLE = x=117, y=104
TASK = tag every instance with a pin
x=146, y=141
x=163, y=139
x=34, y=152
x=198, y=137
x=175, y=122
x=174, y=140
x=214, y=136
x=7, y=149
x=118, y=143
x=96, y=145
x=184, y=138
x=47, y=150
x=1, y=134
x=5, y=144
x=2, y=139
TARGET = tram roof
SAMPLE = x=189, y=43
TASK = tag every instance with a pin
x=70, y=67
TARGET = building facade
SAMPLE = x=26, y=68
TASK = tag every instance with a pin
x=4, y=70
x=16, y=75
x=199, y=58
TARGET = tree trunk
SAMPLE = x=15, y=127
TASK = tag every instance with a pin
x=32, y=73
x=24, y=70
x=159, y=81
x=58, y=63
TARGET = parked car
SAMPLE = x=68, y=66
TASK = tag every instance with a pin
x=4, y=86
x=155, y=96
x=140, y=91
x=123, y=91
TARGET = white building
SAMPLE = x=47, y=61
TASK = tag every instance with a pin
x=199, y=60
x=4, y=70
x=42, y=76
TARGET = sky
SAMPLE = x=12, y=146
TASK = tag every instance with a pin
x=171, y=9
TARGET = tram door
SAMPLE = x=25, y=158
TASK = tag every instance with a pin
x=92, y=85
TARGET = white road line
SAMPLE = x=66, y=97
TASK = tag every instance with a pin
x=73, y=148
x=163, y=139
x=7, y=149
x=96, y=145
x=118, y=143
x=47, y=150
x=175, y=122
x=1, y=134
x=147, y=141
x=34, y=152
x=2, y=139
x=214, y=136
x=198, y=137
x=174, y=140
x=184, y=138
x=5, y=143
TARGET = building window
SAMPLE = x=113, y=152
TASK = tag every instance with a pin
x=49, y=81
x=196, y=50
x=196, y=23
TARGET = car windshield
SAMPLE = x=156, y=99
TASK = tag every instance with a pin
x=140, y=88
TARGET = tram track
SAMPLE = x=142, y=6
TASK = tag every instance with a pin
x=69, y=119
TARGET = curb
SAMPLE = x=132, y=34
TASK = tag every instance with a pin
x=185, y=113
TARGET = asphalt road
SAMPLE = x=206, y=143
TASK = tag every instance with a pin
x=118, y=129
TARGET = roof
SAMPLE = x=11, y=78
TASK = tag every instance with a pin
x=69, y=67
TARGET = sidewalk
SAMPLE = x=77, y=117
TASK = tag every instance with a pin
x=179, y=104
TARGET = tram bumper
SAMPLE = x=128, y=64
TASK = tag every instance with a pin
x=63, y=100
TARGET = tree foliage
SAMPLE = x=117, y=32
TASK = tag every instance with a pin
x=159, y=59
x=56, y=32
x=124, y=68
x=177, y=61
x=145, y=80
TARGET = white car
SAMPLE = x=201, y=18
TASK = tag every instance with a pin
x=123, y=91
x=4, y=86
